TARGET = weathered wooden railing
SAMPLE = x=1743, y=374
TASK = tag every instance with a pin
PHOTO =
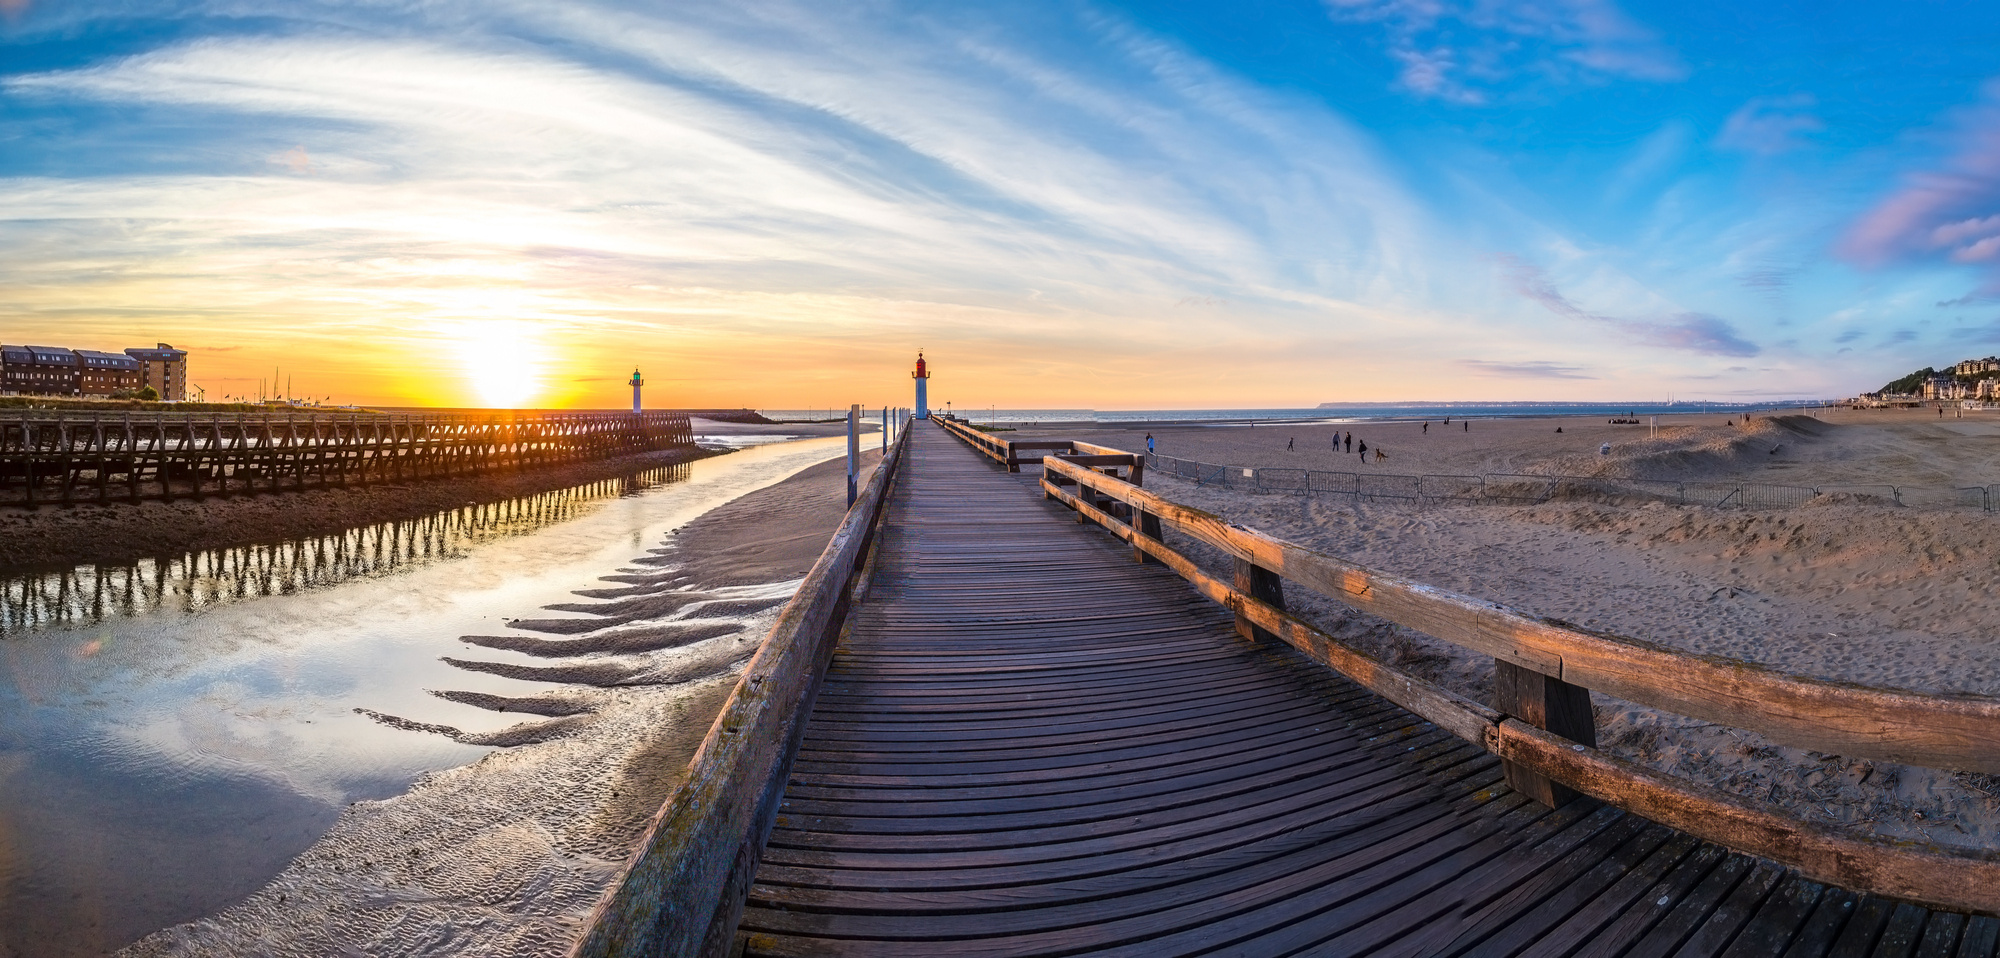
x=1540, y=724
x=1014, y=453
x=682, y=893
x=131, y=457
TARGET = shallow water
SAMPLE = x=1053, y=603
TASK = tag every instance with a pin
x=173, y=734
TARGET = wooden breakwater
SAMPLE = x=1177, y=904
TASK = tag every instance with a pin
x=65, y=459
x=198, y=578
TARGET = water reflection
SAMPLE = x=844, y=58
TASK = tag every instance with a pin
x=173, y=734
x=197, y=580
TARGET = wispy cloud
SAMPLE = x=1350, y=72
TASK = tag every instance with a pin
x=1531, y=369
x=1943, y=215
x=1988, y=332
x=1464, y=50
x=1770, y=124
x=776, y=193
x=1773, y=284
x=1692, y=332
x=711, y=173
x=1969, y=299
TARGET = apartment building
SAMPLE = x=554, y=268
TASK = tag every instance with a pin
x=164, y=369
x=60, y=371
x=102, y=374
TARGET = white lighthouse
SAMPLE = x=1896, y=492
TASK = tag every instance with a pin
x=636, y=383
x=922, y=376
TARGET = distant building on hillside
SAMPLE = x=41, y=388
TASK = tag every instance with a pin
x=60, y=371
x=1945, y=386
x=1973, y=367
x=165, y=369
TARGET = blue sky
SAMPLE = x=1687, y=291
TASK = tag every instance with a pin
x=1111, y=205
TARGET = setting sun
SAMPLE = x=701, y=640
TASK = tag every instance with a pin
x=503, y=361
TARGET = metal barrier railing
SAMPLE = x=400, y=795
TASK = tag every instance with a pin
x=1523, y=488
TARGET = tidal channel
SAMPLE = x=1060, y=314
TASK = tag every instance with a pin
x=173, y=733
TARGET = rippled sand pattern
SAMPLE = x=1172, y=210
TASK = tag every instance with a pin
x=507, y=855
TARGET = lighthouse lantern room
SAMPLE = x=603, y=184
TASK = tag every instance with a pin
x=636, y=383
x=922, y=376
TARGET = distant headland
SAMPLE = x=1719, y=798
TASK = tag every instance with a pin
x=1966, y=379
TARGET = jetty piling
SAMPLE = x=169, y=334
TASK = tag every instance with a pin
x=161, y=456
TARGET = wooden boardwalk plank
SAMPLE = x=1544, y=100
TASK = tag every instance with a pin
x=1028, y=744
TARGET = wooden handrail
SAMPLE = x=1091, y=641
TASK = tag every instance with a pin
x=1956, y=731
x=1008, y=452
x=1850, y=717
x=682, y=892
x=989, y=445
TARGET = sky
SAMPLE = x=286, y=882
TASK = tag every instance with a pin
x=1101, y=205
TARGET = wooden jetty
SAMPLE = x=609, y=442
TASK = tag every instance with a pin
x=187, y=581
x=982, y=728
x=66, y=459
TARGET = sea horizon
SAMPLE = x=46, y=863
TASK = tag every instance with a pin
x=1340, y=412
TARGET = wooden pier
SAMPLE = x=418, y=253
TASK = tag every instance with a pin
x=995, y=733
x=67, y=459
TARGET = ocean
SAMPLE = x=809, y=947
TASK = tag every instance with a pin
x=1342, y=412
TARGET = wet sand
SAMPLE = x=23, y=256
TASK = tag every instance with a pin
x=508, y=855
x=1849, y=587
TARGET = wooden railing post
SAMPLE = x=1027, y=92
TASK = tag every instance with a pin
x=1144, y=524
x=1263, y=585
x=1544, y=702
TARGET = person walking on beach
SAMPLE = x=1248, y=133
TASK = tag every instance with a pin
x=1288, y=444
x=1427, y=429
x=1467, y=423
x=1350, y=442
x=1364, y=452
x=1149, y=444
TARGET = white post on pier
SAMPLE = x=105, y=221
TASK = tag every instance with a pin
x=885, y=430
x=853, y=450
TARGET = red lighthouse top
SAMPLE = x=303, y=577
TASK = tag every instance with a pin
x=922, y=372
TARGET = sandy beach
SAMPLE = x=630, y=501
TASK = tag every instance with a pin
x=1845, y=587
x=509, y=854
x=1831, y=447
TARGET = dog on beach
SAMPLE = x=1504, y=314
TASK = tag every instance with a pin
x=1380, y=455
